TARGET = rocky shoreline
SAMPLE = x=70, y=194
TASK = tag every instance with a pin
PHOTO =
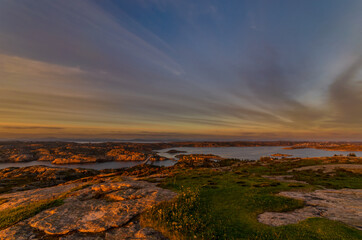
x=77, y=153
x=61, y=203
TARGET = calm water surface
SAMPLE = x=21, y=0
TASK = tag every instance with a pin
x=253, y=153
x=250, y=153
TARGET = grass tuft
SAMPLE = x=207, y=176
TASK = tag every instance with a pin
x=9, y=217
x=214, y=205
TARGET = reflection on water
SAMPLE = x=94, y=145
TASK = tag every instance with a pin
x=253, y=153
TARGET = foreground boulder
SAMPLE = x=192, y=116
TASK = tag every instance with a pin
x=105, y=209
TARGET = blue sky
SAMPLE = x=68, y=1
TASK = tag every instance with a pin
x=181, y=69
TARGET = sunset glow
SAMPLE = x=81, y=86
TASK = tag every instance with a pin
x=181, y=69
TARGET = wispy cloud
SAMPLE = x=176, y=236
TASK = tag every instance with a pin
x=345, y=96
x=182, y=67
x=30, y=128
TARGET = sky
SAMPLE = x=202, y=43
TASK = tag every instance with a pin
x=181, y=69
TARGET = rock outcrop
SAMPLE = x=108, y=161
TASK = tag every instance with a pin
x=102, y=209
x=331, y=167
x=26, y=178
x=74, y=159
x=341, y=205
x=284, y=178
x=26, y=197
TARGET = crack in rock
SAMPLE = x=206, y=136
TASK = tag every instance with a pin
x=85, y=215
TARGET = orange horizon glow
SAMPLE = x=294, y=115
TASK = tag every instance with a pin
x=87, y=72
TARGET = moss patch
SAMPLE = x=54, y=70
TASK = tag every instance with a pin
x=9, y=217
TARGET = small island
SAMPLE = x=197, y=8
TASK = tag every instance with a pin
x=280, y=155
x=174, y=151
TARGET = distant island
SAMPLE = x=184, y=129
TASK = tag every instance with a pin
x=75, y=153
x=329, y=146
x=280, y=155
x=174, y=151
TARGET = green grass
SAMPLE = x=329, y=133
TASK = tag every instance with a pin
x=9, y=217
x=338, y=179
x=185, y=215
x=277, y=168
x=77, y=188
x=225, y=205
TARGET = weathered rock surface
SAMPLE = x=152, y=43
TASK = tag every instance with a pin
x=134, y=231
x=21, y=157
x=105, y=210
x=26, y=178
x=120, y=154
x=75, y=159
x=25, y=197
x=198, y=160
x=131, y=231
x=342, y=205
x=331, y=167
x=21, y=231
x=83, y=236
x=284, y=178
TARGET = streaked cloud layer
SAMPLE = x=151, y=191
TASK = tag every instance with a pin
x=181, y=69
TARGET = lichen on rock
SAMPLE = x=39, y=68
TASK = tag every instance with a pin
x=102, y=210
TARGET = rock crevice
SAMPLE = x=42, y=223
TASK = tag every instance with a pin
x=104, y=210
